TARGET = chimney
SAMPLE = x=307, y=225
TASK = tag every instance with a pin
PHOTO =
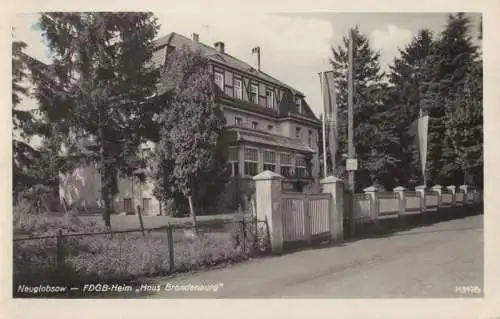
x=196, y=37
x=219, y=46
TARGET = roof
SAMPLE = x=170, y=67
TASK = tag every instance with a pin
x=287, y=106
x=213, y=54
x=240, y=134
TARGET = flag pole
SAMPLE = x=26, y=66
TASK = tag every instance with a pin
x=324, y=126
x=350, y=131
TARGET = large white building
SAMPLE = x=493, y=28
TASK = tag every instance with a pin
x=270, y=126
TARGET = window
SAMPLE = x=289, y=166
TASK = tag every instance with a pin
x=251, y=161
x=238, y=89
x=285, y=164
x=255, y=125
x=310, y=138
x=297, y=132
x=238, y=121
x=234, y=161
x=269, y=161
x=219, y=80
x=269, y=98
x=298, y=102
x=270, y=128
x=254, y=94
x=300, y=166
x=127, y=205
x=146, y=204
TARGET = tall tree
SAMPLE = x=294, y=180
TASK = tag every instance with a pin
x=373, y=140
x=94, y=90
x=23, y=155
x=190, y=157
x=407, y=76
x=465, y=124
x=451, y=58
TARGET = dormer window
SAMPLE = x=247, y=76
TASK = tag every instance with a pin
x=219, y=80
x=298, y=103
x=270, y=98
x=254, y=94
x=238, y=89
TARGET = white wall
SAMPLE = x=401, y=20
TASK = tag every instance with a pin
x=82, y=188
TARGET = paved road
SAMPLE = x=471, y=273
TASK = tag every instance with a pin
x=430, y=261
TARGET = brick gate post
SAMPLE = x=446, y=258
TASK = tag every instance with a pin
x=372, y=192
x=438, y=189
x=421, y=189
x=268, y=201
x=335, y=187
x=400, y=190
x=464, y=189
x=453, y=190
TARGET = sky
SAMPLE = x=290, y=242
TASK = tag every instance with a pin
x=295, y=47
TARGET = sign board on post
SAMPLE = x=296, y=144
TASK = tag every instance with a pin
x=352, y=164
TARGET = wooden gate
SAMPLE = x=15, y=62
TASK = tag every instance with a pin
x=306, y=217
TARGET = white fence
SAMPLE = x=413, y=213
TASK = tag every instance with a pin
x=431, y=201
x=362, y=206
x=388, y=204
x=305, y=216
x=446, y=199
x=373, y=205
x=413, y=203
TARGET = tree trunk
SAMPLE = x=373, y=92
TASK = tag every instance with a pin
x=105, y=191
x=191, y=209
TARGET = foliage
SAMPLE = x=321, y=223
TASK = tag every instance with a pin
x=93, y=92
x=23, y=155
x=407, y=77
x=451, y=60
x=190, y=156
x=373, y=140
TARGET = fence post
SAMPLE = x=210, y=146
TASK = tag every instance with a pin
x=421, y=190
x=141, y=222
x=268, y=201
x=244, y=234
x=170, y=243
x=60, y=250
x=438, y=189
x=307, y=219
x=453, y=191
x=335, y=187
x=374, y=207
x=400, y=190
x=464, y=188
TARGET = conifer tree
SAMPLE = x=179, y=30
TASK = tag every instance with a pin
x=94, y=90
x=373, y=141
x=451, y=59
x=407, y=76
x=190, y=156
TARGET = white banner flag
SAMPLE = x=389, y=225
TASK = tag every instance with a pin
x=423, y=127
x=330, y=113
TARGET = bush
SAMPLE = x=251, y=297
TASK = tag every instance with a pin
x=38, y=199
x=27, y=223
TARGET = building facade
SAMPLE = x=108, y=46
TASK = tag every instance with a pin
x=270, y=126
